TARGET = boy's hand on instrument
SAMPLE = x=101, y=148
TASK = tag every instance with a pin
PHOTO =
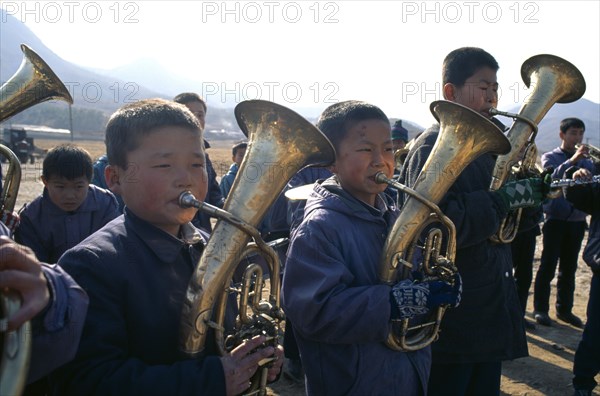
x=582, y=174
x=523, y=193
x=418, y=298
x=242, y=362
x=21, y=271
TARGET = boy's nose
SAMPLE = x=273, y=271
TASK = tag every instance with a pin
x=378, y=159
x=184, y=178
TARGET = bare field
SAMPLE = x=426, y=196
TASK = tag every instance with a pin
x=547, y=371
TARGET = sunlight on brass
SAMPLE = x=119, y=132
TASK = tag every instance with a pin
x=280, y=143
x=464, y=135
x=551, y=80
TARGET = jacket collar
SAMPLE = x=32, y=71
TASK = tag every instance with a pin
x=164, y=245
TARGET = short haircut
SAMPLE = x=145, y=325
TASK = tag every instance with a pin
x=462, y=63
x=132, y=122
x=571, y=122
x=188, y=97
x=238, y=146
x=68, y=161
x=337, y=119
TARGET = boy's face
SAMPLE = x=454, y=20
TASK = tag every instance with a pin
x=239, y=155
x=67, y=194
x=198, y=110
x=366, y=150
x=168, y=161
x=571, y=137
x=479, y=93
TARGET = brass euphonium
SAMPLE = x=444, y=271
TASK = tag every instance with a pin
x=553, y=80
x=464, y=136
x=34, y=82
x=281, y=143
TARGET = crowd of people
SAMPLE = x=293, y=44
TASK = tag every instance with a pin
x=103, y=258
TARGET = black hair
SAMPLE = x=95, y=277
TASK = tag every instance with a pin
x=188, y=97
x=462, y=63
x=131, y=122
x=337, y=119
x=68, y=161
x=571, y=122
x=238, y=146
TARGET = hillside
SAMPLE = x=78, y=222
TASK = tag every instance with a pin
x=97, y=93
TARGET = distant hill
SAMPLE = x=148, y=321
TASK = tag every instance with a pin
x=98, y=93
x=547, y=137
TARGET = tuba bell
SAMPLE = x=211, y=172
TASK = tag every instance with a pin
x=464, y=136
x=553, y=80
x=34, y=82
x=281, y=143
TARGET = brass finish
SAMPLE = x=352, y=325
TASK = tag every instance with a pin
x=281, y=143
x=552, y=79
x=34, y=82
x=10, y=188
x=400, y=155
x=593, y=152
x=464, y=136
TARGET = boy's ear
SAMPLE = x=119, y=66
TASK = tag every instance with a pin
x=449, y=92
x=45, y=181
x=112, y=175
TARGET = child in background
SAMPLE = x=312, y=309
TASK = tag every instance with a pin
x=70, y=208
x=238, y=151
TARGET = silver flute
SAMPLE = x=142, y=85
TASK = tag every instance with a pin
x=559, y=183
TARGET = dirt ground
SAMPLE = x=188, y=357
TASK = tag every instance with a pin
x=547, y=371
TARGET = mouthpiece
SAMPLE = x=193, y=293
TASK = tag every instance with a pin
x=381, y=178
x=187, y=200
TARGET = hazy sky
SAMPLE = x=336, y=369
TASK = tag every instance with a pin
x=309, y=53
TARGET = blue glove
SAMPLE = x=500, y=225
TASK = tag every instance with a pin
x=418, y=298
x=522, y=193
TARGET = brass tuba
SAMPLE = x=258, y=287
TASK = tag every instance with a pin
x=552, y=79
x=34, y=82
x=281, y=143
x=464, y=136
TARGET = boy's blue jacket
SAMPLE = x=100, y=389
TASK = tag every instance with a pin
x=56, y=330
x=49, y=231
x=136, y=276
x=339, y=309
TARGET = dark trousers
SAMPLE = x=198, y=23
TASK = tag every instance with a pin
x=290, y=347
x=587, y=356
x=523, y=250
x=562, y=241
x=465, y=379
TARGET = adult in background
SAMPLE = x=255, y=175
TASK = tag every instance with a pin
x=563, y=230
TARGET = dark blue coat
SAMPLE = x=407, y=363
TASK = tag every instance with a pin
x=488, y=324
x=49, y=231
x=587, y=199
x=559, y=208
x=135, y=275
x=339, y=310
x=56, y=330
